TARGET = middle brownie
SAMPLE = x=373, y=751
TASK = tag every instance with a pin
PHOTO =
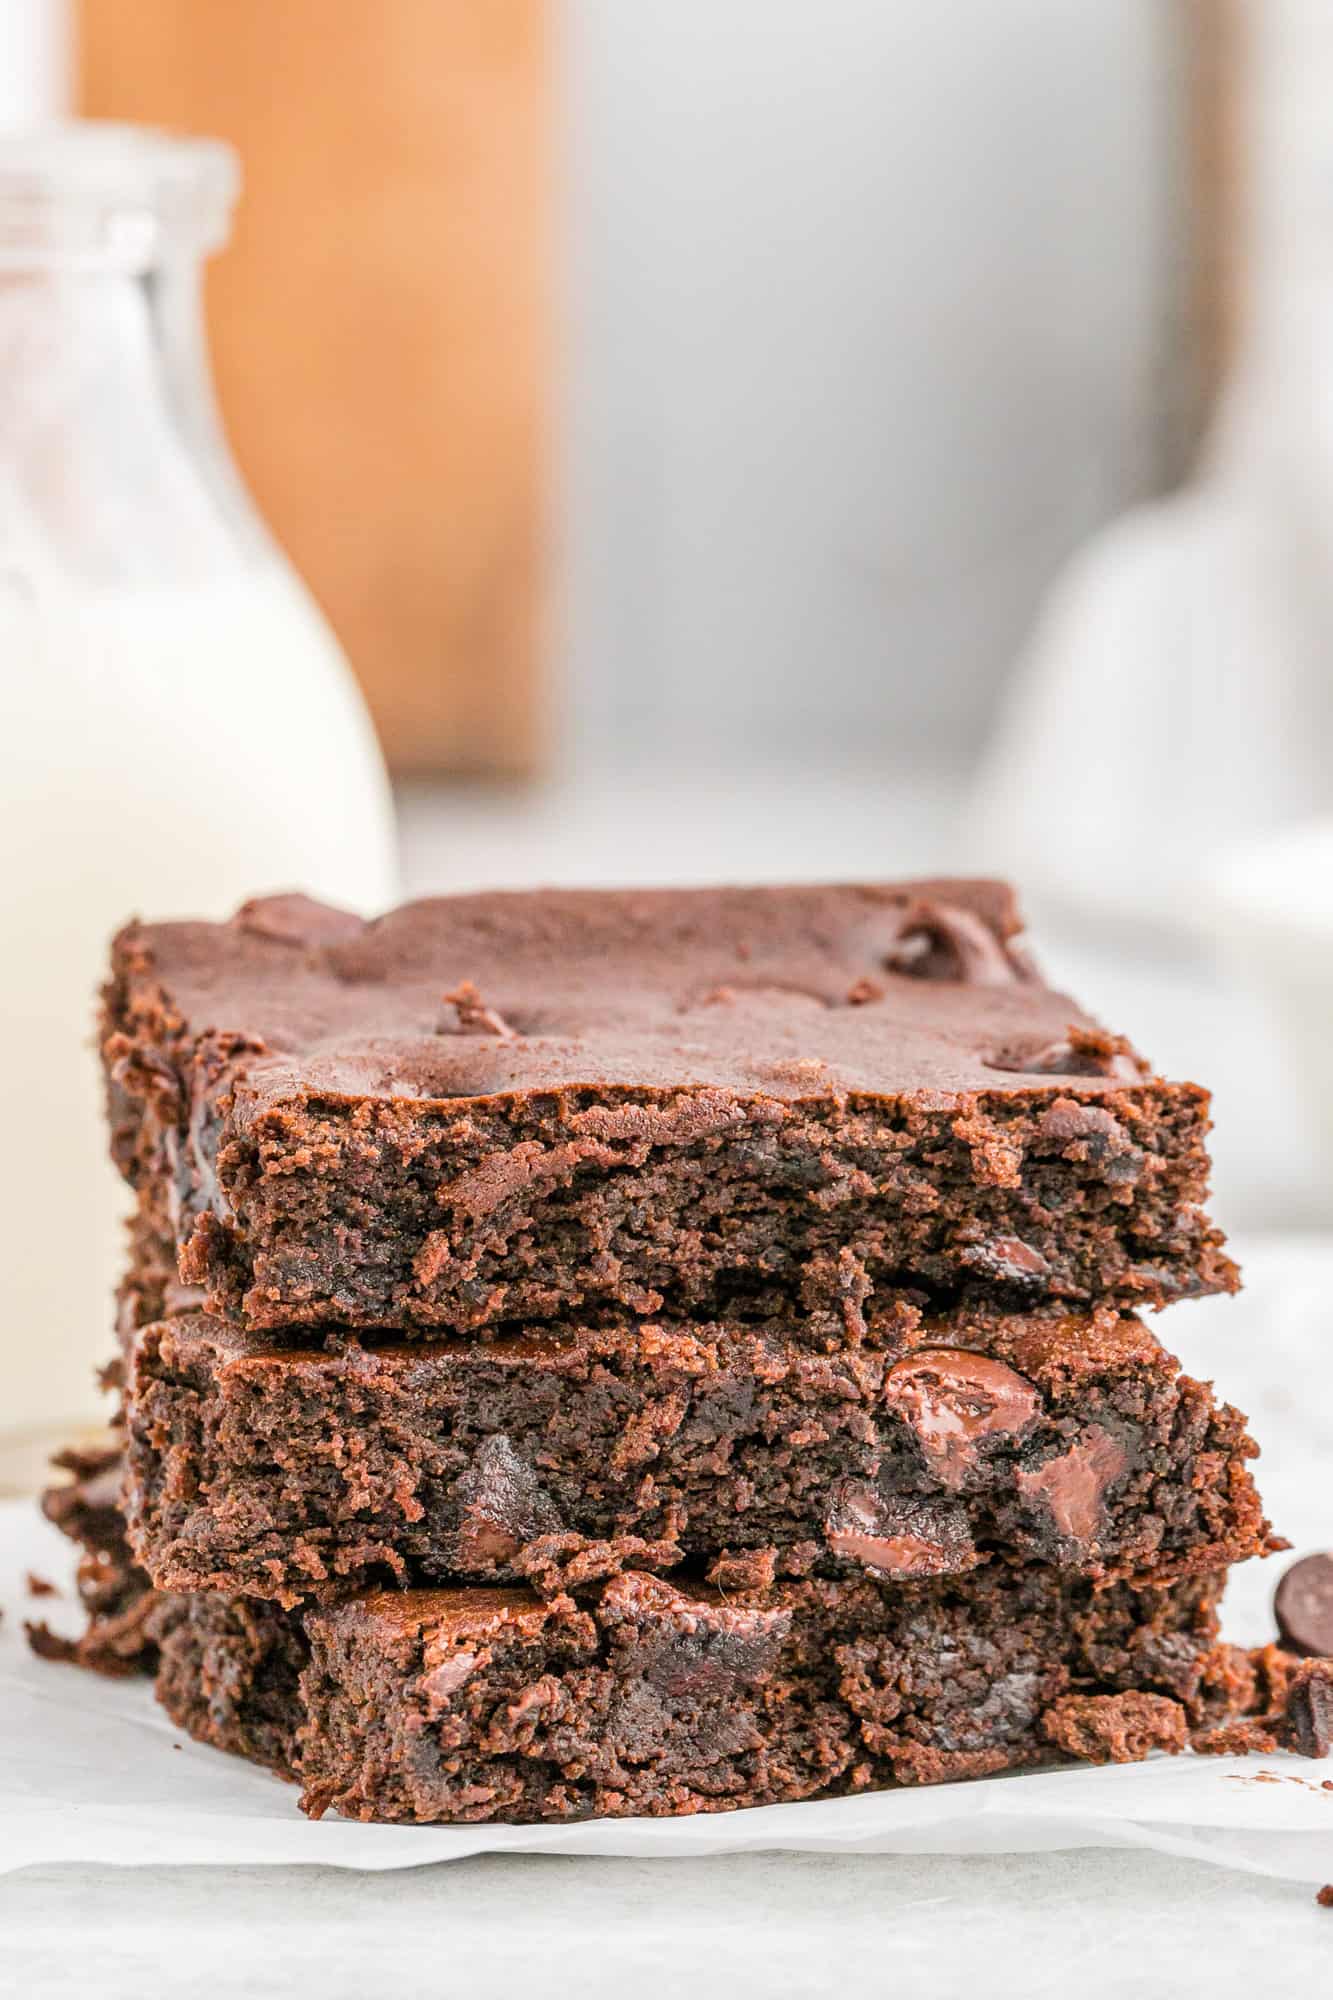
x=290, y=1473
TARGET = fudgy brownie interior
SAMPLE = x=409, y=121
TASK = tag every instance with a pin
x=516, y=1107
x=288, y=1474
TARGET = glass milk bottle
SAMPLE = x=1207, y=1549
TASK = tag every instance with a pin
x=178, y=729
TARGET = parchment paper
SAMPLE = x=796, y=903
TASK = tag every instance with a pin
x=92, y=1771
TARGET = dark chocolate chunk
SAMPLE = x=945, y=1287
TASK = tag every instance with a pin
x=688, y=1648
x=941, y=941
x=953, y=1399
x=897, y=1536
x=1089, y=1135
x=1303, y=1603
x=1074, y=1484
x=1083, y=1052
x=1008, y=1261
x=1309, y=1710
x=501, y=1507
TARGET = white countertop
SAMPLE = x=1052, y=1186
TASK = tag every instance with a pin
x=1087, y=1924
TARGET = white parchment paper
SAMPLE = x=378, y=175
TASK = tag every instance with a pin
x=92, y=1771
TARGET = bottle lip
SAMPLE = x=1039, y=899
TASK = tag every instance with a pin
x=92, y=194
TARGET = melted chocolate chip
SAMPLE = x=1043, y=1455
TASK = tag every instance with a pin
x=691, y=1648
x=445, y=1679
x=1007, y=1711
x=941, y=941
x=1089, y=1135
x=1303, y=1603
x=953, y=1399
x=1008, y=1260
x=1074, y=1485
x=501, y=1507
x=1083, y=1053
x=895, y=1536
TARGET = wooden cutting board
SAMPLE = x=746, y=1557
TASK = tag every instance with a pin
x=379, y=323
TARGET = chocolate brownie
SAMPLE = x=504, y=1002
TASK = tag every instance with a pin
x=114, y=1592
x=645, y=1695
x=652, y=1698
x=287, y=1474
x=497, y=1108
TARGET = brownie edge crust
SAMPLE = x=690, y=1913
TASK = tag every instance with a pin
x=511, y=1107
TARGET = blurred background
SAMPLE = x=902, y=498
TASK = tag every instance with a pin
x=772, y=438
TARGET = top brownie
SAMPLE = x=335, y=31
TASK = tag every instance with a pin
x=491, y=1108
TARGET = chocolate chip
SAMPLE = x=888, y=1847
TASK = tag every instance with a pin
x=1073, y=1486
x=1083, y=1053
x=688, y=1647
x=953, y=1399
x=1005, y=1712
x=897, y=1536
x=1089, y=1135
x=501, y=1507
x=1309, y=1709
x=939, y=941
x=1303, y=1603
x=444, y=1680
x=1008, y=1260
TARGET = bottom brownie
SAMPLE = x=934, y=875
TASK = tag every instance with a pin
x=651, y=1696
x=494, y=1704
x=117, y=1595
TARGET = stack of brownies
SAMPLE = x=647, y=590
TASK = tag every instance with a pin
x=652, y=1352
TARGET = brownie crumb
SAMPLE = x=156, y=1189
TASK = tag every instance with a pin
x=49, y=1645
x=1115, y=1728
x=1273, y=1668
x=40, y=1586
x=744, y=1569
x=1228, y=1685
x=1324, y=1896
x=557, y=1564
x=1309, y=1709
x=1251, y=1738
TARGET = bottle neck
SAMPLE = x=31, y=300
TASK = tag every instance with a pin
x=114, y=472
x=176, y=304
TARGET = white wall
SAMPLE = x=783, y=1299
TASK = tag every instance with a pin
x=34, y=60
x=869, y=307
